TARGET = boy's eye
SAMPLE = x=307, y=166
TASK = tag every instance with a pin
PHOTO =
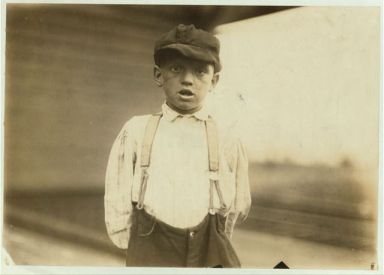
x=175, y=68
x=201, y=71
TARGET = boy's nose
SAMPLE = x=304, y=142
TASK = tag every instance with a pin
x=187, y=77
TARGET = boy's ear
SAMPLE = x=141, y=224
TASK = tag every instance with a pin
x=157, y=76
x=215, y=79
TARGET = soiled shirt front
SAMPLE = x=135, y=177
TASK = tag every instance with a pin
x=178, y=184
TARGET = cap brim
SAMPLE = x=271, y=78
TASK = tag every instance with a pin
x=194, y=53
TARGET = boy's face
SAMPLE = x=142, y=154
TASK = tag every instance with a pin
x=186, y=82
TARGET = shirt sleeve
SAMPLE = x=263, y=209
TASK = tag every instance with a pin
x=118, y=187
x=242, y=202
x=243, y=194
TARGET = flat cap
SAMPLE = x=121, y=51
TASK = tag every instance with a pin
x=191, y=42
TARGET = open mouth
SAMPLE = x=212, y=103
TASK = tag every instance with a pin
x=185, y=93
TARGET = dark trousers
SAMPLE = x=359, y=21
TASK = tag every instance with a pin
x=155, y=243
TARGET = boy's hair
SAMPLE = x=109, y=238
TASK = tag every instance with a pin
x=190, y=42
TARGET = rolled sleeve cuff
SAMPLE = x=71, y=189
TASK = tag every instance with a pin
x=118, y=232
x=243, y=207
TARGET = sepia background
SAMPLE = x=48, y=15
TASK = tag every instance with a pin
x=303, y=83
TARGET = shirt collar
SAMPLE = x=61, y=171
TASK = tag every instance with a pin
x=170, y=114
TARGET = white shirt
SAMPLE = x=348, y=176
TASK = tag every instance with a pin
x=178, y=184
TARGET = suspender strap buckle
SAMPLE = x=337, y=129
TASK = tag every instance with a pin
x=214, y=175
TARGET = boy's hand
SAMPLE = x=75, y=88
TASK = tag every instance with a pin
x=243, y=217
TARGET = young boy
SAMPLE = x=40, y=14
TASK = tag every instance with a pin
x=177, y=180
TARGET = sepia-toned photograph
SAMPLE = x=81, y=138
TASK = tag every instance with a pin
x=191, y=136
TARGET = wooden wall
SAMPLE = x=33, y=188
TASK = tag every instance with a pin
x=74, y=75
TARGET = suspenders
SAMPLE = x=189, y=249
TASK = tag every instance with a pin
x=213, y=157
x=149, y=136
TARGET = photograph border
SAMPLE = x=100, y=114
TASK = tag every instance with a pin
x=19, y=269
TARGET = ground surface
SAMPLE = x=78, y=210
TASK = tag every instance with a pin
x=256, y=250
